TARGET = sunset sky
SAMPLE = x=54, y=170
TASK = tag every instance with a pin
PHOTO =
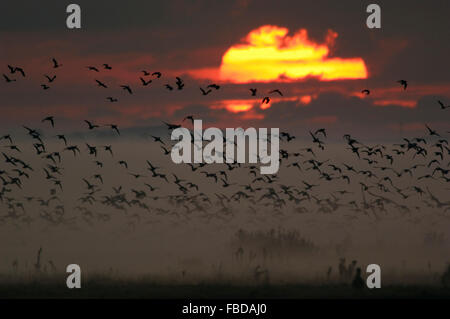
x=320, y=54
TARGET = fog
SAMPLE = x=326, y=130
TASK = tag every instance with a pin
x=195, y=238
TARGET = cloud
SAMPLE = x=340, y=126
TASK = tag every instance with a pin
x=404, y=103
x=342, y=114
x=269, y=53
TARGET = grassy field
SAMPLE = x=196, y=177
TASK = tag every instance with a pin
x=112, y=288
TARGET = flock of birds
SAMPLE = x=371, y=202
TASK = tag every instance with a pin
x=376, y=179
x=179, y=83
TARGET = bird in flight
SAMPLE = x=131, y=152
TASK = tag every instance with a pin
x=106, y=66
x=365, y=91
x=189, y=117
x=20, y=70
x=108, y=148
x=50, y=79
x=214, y=86
x=114, y=127
x=403, y=83
x=432, y=132
x=205, y=92
x=253, y=91
x=56, y=64
x=91, y=126
x=322, y=131
x=145, y=73
x=127, y=88
x=13, y=70
x=145, y=83
x=6, y=137
x=111, y=99
x=7, y=79
x=73, y=148
x=45, y=86
x=101, y=84
x=92, y=68
x=158, y=74
x=179, y=83
x=124, y=163
x=276, y=91
x=49, y=119
x=442, y=105
x=172, y=126
x=287, y=135
x=166, y=151
x=169, y=87
x=265, y=100
x=62, y=137
x=158, y=139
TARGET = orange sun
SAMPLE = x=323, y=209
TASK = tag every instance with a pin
x=268, y=54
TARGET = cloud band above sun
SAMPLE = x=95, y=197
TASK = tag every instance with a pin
x=269, y=53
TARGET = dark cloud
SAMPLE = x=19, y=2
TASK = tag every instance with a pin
x=357, y=116
x=177, y=36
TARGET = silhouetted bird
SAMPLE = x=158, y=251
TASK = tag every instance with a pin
x=7, y=79
x=62, y=137
x=13, y=70
x=189, y=117
x=265, y=100
x=21, y=71
x=179, y=83
x=322, y=131
x=403, y=83
x=166, y=151
x=125, y=164
x=276, y=91
x=50, y=119
x=50, y=79
x=126, y=88
x=443, y=107
x=114, y=127
x=205, y=92
x=431, y=132
x=145, y=83
x=158, y=139
x=6, y=137
x=172, y=126
x=90, y=125
x=56, y=64
x=213, y=86
x=92, y=68
x=101, y=84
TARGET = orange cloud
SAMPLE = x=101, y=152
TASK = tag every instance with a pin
x=235, y=106
x=403, y=103
x=305, y=99
x=269, y=53
x=238, y=107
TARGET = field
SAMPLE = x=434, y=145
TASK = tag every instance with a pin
x=144, y=289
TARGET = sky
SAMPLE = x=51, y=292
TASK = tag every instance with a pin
x=319, y=54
